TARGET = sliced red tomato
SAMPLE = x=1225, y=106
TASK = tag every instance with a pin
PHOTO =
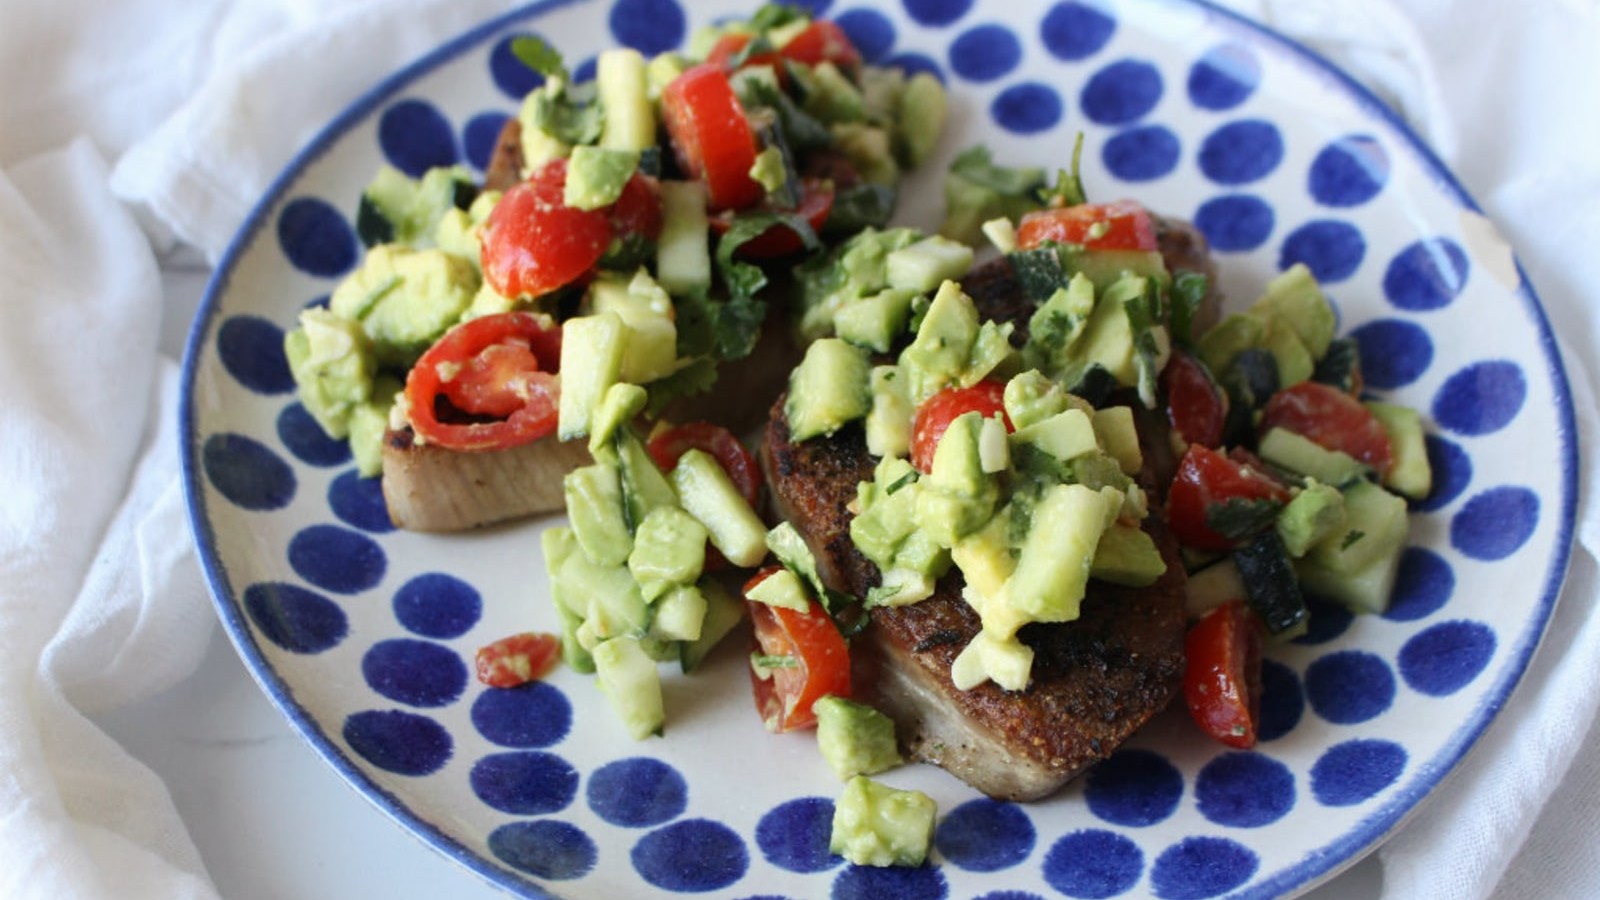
x=729, y=46
x=1222, y=677
x=1330, y=418
x=637, y=209
x=711, y=137
x=667, y=445
x=1196, y=406
x=518, y=659
x=934, y=416
x=1216, y=503
x=808, y=658
x=1119, y=225
x=488, y=384
x=816, y=201
x=534, y=243
x=822, y=41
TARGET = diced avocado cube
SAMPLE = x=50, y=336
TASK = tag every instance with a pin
x=669, y=548
x=683, y=254
x=629, y=679
x=644, y=488
x=921, y=117
x=723, y=612
x=708, y=494
x=1295, y=362
x=922, y=267
x=991, y=354
x=663, y=69
x=1107, y=339
x=889, y=422
x=332, y=363
x=938, y=354
x=1031, y=397
x=1115, y=429
x=401, y=210
x=782, y=588
x=592, y=349
x=874, y=321
x=405, y=299
x=368, y=422
x=1295, y=299
x=985, y=558
x=1004, y=660
x=1363, y=590
x=558, y=545
x=1126, y=555
x=1057, y=325
x=680, y=615
x=854, y=738
x=594, y=503
x=596, y=175
x=1058, y=553
x=1105, y=268
x=881, y=90
x=615, y=607
x=1411, y=474
x=1226, y=339
x=876, y=825
x=1066, y=435
x=1375, y=527
x=885, y=519
x=1002, y=234
x=622, y=84
x=829, y=95
x=869, y=149
x=1314, y=513
x=957, y=460
x=1284, y=448
x=828, y=389
x=621, y=402
x=769, y=170
x=650, y=343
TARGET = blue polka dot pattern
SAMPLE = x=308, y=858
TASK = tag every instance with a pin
x=985, y=835
x=438, y=605
x=316, y=238
x=1349, y=687
x=1394, y=352
x=251, y=349
x=869, y=30
x=1133, y=788
x=1444, y=658
x=359, y=502
x=1241, y=152
x=1074, y=31
x=527, y=783
x=585, y=69
x=985, y=53
x=890, y=883
x=1282, y=701
x=247, y=472
x=1422, y=587
x=1426, y=275
x=1355, y=771
x=1235, y=222
x=1496, y=523
x=648, y=26
x=937, y=13
x=1009, y=895
x=481, y=135
x=1452, y=471
x=545, y=849
x=1325, y=621
x=413, y=672
x=1244, y=790
x=415, y=137
x=306, y=439
x=1144, y=153
x=336, y=559
x=530, y=715
x=1093, y=864
x=511, y=75
x=1331, y=249
x=692, y=855
x=400, y=742
x=1481, y=398
x=637, y=793
x=1349, y=171
x=1027, y=108
x=794, y=835
x=1121, y=92
x=1199, y=867
x=912, y=63
x=1224, y=77
x=294, y=618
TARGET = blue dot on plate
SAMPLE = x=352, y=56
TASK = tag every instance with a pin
x=413, y=672
x=1093, y=863
x=890, y=883
x=359, y=502
x=248, y=473
x=535, y=714
x=1027, y=108
x=337, y=559
x=794, y=835
x=585, y=70
x=1282, y=701
x=1142, y=153
x=1349, y=171
x=937, y=13
x=1495, y=523
x=525, y=783
x=437, y=605
x=985, y=835
x=545, y=849
x=648, y=26
x=1394, y=352
x=912, y=63
x=1009, y=895
x=1444, y=658
x=415, y=137
x=1244, y=790
x=1133, y=788
x=1350, y=686
x=1422, y=586
x=1199, y=867
x=1241, y=152
x=1235, y=222
x=1121, y=92
x=637, y=793
x=306, y=439
x=1354, y=771
x=481, y=135
x=870, y=31
x=294, y=618
x=316, y=238
x=1325, y=621
x=1224, y=77
x=985, y=53
x=1427, y=274
x=1075, y=31
x=397, y=741
x=511, y=75
x=1452, y=471
x=1481, y=398
x=691, y=856
x=251, y=350
x=1331, y=249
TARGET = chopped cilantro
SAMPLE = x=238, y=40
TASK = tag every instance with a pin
x=1237, y=518
x=538, y=55
x=1355, y=534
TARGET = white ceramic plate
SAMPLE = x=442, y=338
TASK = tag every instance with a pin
x=363, y=635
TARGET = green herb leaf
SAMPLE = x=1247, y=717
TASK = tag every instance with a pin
x=975, y=164
x=571, y=116
x=1188, y=292
x=862, y=206
x=1068, y=189
x=1355, y=534
x=1237, y=518
x=744, y=279
x=776, y=15
x=898, y=483
x=697, y=377
x=538, y=55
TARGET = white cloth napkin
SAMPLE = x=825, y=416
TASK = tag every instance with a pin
x=199, y=104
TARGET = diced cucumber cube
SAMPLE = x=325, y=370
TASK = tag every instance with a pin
x=669, y=549
x=591, y=361
x=679, y=616
x=782, y=588
x=594, y=503
x=708, y=494
x=922, y=267
x=1411, y=474
x=723, y=612
x=629, y=679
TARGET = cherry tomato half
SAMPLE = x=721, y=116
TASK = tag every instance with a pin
x=1119, y=225
x=637, y=209
x=1210, y=489
x=816, y=201
x=823, y=41
x=534, y=243
x=1330, y=418
x=729, y=45
x=501, y=367
x=816, y=660
x=711, y=137
x=1196, y=406
x=518, y=659
x=1222, y=677
x=934, y=416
